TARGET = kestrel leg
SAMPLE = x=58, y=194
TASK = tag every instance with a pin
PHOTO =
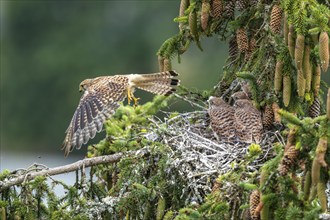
x=130, y=96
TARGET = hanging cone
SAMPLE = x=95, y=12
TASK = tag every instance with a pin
x=242, y=40
x=167, y=64
x=268, y=117
x=315, y=109
x=286, y=90
x=275, y=19
x=288, y=160
x=324, y=50
x=217, y=8
x=254, y=202
x=278, y=77
x=205, y=14
x=299, y=51
x=316, y=81
x=301, y=84
x=307, y=69
x=183, y=6
x=241, y=4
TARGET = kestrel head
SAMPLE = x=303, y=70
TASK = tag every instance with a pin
x=241, y=103
x=85, y=84
x=239, y=95
x=215, y=101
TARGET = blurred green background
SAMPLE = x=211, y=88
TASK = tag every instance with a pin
x=48, y=48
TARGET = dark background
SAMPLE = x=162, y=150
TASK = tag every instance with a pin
x=49, y=47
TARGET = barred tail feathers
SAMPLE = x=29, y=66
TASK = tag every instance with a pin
x=162, y=83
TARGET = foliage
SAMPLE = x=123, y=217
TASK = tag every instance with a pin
x=288, y=184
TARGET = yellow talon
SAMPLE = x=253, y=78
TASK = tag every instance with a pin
x=130, y=97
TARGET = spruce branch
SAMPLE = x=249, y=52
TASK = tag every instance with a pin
x=87, y=162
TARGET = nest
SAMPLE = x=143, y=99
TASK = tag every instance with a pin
x=199, y=157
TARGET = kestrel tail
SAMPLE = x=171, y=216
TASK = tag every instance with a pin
x=222, y=119
x=248, y=120
x=101, y=98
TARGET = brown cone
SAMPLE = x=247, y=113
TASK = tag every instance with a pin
x=307, y=69
x=268, y=117
x=229, y=9
x=242, y=40
x=301, y=83
x=278, y=76
x=316, y=81
x=275, y=19
x=254, y=202
x=242, y=4
x=315, y=109
x=217, y=8
x=288, y=160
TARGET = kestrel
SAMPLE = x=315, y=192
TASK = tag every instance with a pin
x=101, y=98
x=222, y=118
x=248, y=120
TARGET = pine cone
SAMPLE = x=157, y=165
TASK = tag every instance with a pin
x=167, y=64
x=278, y=76
x=315, y=109
x=242, y=4
x=183, y=6
x=275, y=19
x=286, y=90
x=242, y=40
x=229, y=9
x=233, y=48
x=254, y=202
x=205, y=14
x=316, y=80
x=291, y=41
x=324, y=50
x=306, y=67
x=217, y=8
x=301, y=84
x=321, y=194
x=268, y=117
x=299, y=51
x=288, y=160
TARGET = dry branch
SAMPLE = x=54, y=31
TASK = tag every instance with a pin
x=88, y=162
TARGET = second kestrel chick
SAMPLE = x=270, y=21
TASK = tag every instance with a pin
x=248, y=121
x=222, y=118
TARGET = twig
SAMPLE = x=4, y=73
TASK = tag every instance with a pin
x=69, y=168
x=191, y=102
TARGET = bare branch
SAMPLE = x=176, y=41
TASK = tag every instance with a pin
x=88, y=162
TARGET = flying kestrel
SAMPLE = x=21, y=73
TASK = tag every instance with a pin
x=101, y=98
x=248, y=120
x=222, y=118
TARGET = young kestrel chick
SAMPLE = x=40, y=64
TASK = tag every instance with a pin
x=248, y=121
x=101, y=98
x=222, y=119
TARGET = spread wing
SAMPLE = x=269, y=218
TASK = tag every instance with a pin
x=95, y=106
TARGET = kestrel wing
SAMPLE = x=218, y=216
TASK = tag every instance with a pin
x=94, y=108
